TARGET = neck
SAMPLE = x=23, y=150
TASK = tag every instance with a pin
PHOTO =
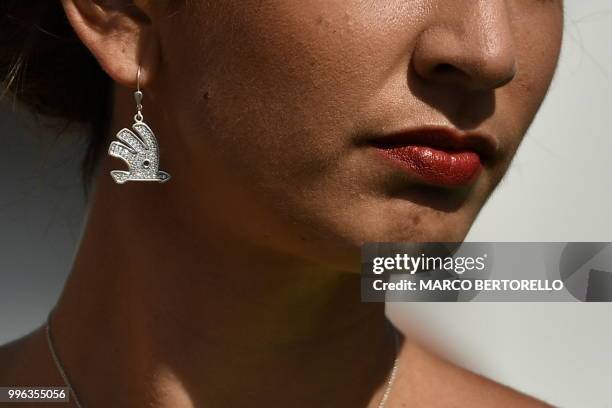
x=167, y=312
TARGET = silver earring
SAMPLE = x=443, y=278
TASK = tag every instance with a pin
x=141, y=152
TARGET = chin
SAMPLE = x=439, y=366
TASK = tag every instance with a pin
x=340, y=247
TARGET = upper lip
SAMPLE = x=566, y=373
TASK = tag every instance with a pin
x=440, y=137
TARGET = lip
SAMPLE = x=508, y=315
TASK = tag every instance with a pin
x=439, y=156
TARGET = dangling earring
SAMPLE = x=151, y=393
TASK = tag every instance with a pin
x=140, y=153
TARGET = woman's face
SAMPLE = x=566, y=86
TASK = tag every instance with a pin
x=301, y=119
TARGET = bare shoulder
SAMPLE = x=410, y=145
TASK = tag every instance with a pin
x=26, y=363
x=11, y=355
x=425, y=380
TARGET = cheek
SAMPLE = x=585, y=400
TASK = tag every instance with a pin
x=538, y=42
x=283, y=87
x=538, y=38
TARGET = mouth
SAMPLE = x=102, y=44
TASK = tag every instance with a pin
x=438, y=156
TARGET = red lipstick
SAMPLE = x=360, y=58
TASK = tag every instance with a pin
x=438, y=156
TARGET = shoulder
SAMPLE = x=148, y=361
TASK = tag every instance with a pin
x=26, y=362
x=425, y=380
x=11, y=355
x=8, y=356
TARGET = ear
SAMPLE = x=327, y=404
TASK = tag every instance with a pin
x=120, y=35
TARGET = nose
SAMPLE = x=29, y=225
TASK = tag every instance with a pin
x=468, y=45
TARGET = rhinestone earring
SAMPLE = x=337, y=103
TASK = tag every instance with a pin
x=141, y=152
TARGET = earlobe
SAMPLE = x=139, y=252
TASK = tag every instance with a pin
x=119, y=35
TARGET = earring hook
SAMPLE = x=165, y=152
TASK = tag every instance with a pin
x=138, y=98
x=138, y=79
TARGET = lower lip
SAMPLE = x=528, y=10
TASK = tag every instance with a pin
x=434, y=166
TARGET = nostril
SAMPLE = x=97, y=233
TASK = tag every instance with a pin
x=446, y=72
x=444, y=69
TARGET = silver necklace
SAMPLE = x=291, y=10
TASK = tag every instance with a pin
x=58, y=364
x=393, y=372
x=62, y=371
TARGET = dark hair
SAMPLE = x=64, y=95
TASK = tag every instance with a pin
x=45, y=66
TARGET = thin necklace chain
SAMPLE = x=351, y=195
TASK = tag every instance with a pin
x=393, y=373
x=62, y=371
x=58, y=364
